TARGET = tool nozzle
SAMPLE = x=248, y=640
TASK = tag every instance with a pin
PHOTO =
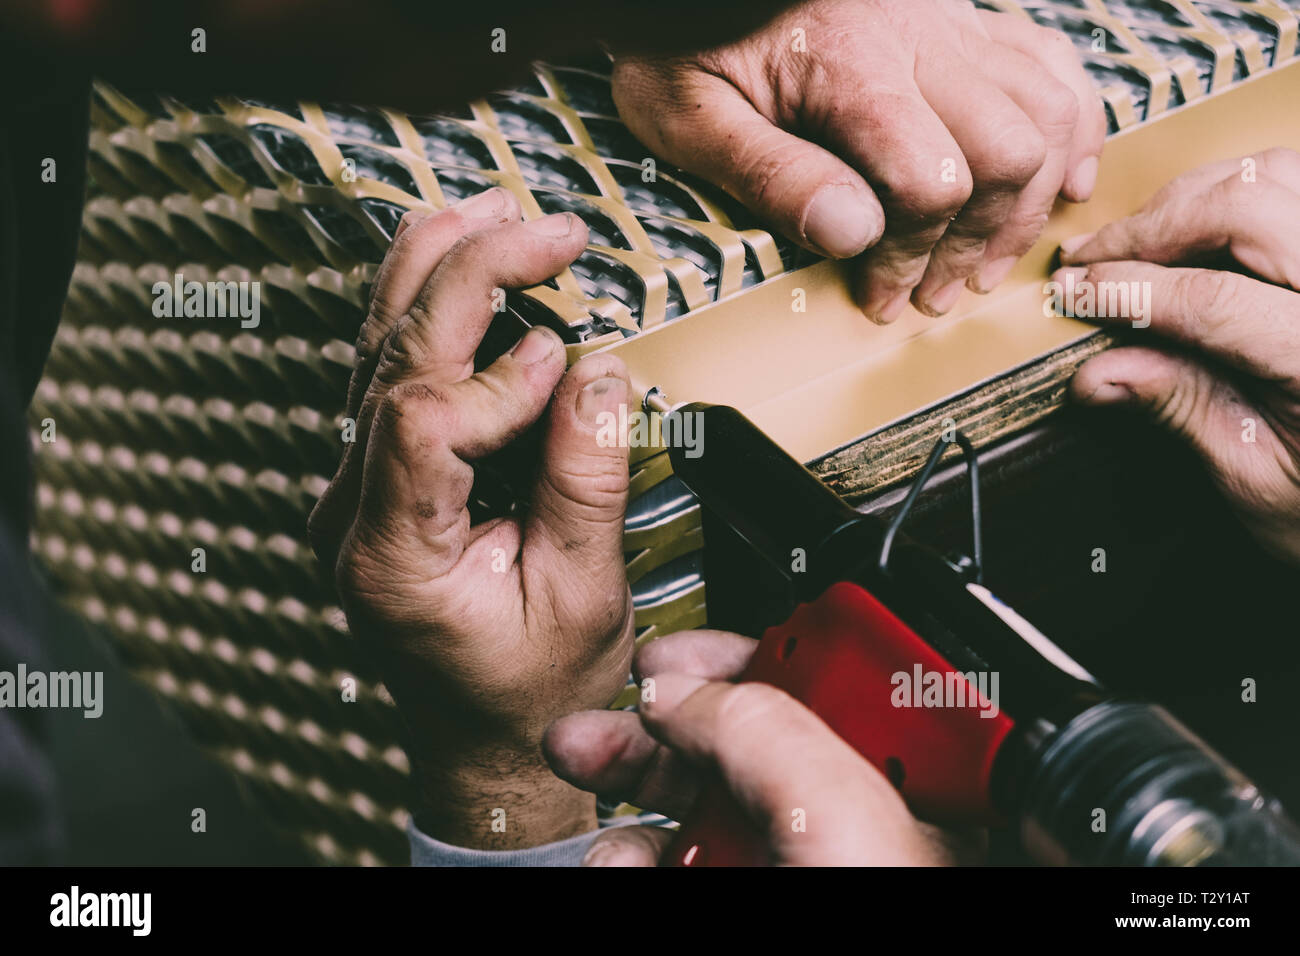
x=656, y=401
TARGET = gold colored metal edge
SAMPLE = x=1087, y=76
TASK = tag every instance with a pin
x=795, y=373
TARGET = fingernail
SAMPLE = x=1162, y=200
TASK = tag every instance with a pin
x=1075, y=273
x=945, y=298
x=669, y=691
x=891, y=309
x=599, y=854
x=410, y=218
x=486, y=205
x=1085, y=177
x=609, y=853
x=993, y=273
x=558, y=224
x=538, y=343
x=1072, y=245
x=1109, y=393
x=1060, y=291
x=601, y=396
x=840, y=221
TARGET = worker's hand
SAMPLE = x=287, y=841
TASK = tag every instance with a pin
x=945, y=130
x=484, y=634
x=1223, y=365
x=775, y=756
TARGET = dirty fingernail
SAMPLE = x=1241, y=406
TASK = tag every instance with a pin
x=1109, y=393
x=993, y=273
x=946, y=298
x=1072, y=245
x=1085, y=177
x=486, y=205
x=840, y=221
x=559, y=224
x=603, y=395
x=611, y=853
x=891, y=309
x=536, y=345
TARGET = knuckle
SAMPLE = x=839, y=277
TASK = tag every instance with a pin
x=1177, y=408
x=459, y=476
x=443, y=505
x=1056, y=112
x=759, y=175
x=370, y=339
x=592, y=484
x=472, y=251
x=955, y=256
x=961, y=245
x=606, y=480
x=1024, y=227
x=763, y=174
x=929, y=198
x=410, y=219
x=1206, y=296
x=502, y=389
x=1242, y=201
x=1011, y=159
x=1201, y=397
x=1147, y=234
x=512, y=416
x=1057, y=106
x=450, y=222
x=1279, y=159
x=381, y=312
x=402, y=351
x=901, y=265
x=413, y=416
x=607, y=615
x=1056, y=44
x=488, y=258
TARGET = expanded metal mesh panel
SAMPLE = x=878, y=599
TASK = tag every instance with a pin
x=175, y=434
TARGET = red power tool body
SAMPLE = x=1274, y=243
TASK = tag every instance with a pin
x=968, y=709
x=840, y=655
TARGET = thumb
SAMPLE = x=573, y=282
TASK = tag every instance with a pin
x=575, y=526
x=1177, y=391
x=628, y=846
x=782, y=763
x=803, y=190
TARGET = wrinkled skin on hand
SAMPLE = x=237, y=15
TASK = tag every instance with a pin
x=776, y=757
x=925, y=137
x=1219, y=363
x=484, y=633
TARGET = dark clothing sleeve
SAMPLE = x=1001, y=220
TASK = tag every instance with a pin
x=43, y=116
x=29, y=822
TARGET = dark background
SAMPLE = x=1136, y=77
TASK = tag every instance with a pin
x=1188, y=606
x=129, y=780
